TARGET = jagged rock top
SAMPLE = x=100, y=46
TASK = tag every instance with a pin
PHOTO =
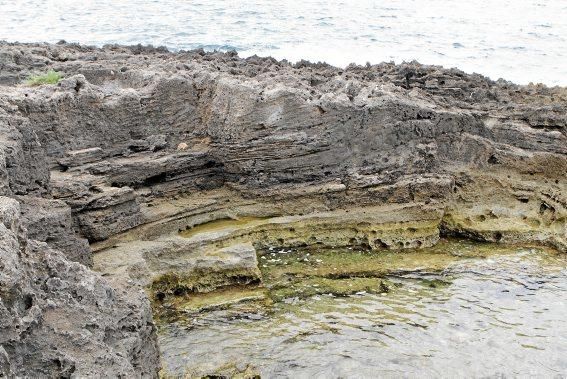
x=538, y=105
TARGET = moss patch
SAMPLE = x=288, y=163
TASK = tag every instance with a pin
x=50, y=77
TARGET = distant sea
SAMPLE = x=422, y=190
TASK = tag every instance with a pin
x=519, y=40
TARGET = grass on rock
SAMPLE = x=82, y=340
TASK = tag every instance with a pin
x=50, y=77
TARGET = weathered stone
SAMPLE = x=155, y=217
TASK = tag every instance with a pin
x=144, y=144
x=58, y=318
x=81, y=157
x=50, y=221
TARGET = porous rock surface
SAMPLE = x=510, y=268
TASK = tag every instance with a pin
x=136, y=144
x=60, y=319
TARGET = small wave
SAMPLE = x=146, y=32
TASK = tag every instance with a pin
x=214, y=47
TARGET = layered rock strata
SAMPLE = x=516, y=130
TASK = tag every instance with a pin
x=178, y=165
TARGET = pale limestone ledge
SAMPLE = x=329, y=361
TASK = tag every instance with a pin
x=206, y=233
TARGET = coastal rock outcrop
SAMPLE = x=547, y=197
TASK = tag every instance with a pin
x=175, y=167
x=60, y=319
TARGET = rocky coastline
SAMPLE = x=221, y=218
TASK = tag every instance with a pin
x=145, y=174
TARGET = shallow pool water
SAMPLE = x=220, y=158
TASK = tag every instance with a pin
x=224, y=225
x=490, y=311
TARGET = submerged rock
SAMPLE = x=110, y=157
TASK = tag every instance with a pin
x=137, y=146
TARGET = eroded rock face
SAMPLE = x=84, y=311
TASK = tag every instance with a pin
x=60, y=319
x=137, y=144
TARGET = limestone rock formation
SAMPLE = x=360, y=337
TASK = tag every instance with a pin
x=59, y=319
x=138, y=147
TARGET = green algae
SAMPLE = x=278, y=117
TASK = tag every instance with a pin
x=200, y=281
x=430, y=303
x=222, y=298
x=312, y=271
x=173, y=295
x=307, y=287
x=435, y=283
x=221, y=225
x=307, y=272
x=280, y=266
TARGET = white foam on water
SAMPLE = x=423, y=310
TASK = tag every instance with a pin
x=519, y=40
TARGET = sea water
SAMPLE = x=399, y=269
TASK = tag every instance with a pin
x=459, y=309
x=519, y=40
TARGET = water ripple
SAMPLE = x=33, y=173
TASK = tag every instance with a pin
x=521, y=41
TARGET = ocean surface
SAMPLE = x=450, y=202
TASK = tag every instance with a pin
x=519, y=40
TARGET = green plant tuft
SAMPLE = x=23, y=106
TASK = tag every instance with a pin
x=51, y=77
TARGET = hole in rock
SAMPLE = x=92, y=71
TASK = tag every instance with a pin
x=546, y=208
x=379, y=243
x=156, y=179
x=28, y=302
